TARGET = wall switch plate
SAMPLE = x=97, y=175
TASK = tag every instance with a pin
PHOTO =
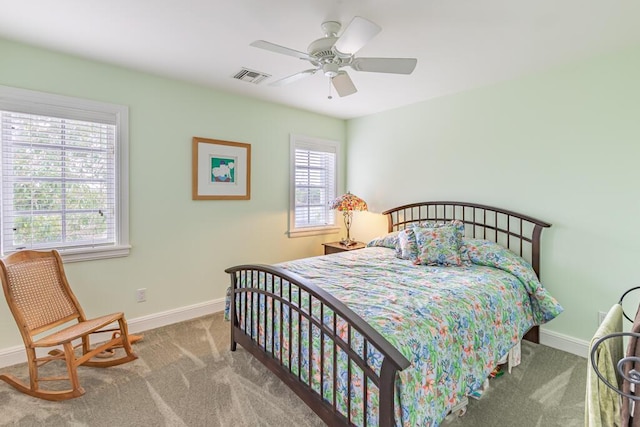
x=141, y=295
x=601, y=316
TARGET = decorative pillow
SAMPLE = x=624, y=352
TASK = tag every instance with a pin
x=429, y=224
x=439, y=245
x=407, y=248
x=387, y=241
x=464, y=256
x=433, y=224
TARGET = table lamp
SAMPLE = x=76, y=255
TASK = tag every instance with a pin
x=347, y=203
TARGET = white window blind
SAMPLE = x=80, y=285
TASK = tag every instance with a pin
x=61, y=179
x=314, y=184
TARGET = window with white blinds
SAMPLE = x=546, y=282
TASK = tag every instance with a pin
x=314, y=180
x=62, y=175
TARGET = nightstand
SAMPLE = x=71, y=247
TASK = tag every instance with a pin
x=336, y=247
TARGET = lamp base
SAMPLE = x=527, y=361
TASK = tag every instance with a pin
x=348, y=242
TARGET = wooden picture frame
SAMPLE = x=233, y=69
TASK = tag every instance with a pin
x=221, y=170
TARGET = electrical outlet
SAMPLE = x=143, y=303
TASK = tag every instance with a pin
x=141, y=295
x=601, y=316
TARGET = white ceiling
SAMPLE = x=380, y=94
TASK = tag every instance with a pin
x=459, y=44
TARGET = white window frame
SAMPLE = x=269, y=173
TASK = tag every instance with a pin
x=309, y=143
x=34, y=102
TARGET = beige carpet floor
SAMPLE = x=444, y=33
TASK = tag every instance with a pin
x=186, y=376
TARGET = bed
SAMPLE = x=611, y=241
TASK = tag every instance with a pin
x=366, y=338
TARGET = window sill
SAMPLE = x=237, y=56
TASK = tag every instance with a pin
x=313, y=231
x=76, y=255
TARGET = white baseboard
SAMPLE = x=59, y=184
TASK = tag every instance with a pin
x=564, y=343
x=176, y=315
x=14, y=355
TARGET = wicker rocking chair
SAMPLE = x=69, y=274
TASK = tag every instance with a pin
x=40, y=299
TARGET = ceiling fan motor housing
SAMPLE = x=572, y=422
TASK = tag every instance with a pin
x=325, y=55
x=322, y=48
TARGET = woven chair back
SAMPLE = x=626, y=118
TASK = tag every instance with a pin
x=38, y=292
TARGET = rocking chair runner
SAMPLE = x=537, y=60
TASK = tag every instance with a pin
x=40, y=299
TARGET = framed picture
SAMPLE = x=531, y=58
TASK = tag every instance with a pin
x=221, y=170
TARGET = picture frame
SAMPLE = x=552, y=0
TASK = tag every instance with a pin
x=221, y=170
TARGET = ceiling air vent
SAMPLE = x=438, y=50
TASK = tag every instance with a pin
x=250, y=76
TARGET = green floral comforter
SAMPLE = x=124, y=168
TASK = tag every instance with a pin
x=452, y=323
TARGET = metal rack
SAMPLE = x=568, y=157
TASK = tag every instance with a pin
x=632, y=375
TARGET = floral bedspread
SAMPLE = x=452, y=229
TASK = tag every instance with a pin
x=452, y=323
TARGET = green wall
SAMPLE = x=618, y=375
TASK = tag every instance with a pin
x=562, y=146
x=180, y=246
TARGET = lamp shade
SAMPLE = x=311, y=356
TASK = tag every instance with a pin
x=348, y=202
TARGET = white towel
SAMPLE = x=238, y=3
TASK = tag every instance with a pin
x=602, y=404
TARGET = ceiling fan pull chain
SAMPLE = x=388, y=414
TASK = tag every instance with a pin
x=329, y=97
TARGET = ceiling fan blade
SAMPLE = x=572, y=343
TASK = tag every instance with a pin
x=385, y=65
x=293, y=78
x=279, y=49
x=343, y=84
x=356, y=35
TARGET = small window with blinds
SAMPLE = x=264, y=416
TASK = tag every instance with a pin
x=62, y=175
x=314, y=166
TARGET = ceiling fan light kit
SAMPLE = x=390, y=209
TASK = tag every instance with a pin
x=330, y=69
x=331, y=53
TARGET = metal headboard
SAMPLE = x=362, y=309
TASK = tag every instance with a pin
x=518, y=233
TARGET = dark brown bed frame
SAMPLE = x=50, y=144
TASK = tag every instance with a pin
x=519, y=233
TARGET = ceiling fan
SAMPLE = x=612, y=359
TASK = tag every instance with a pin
x=331, y=53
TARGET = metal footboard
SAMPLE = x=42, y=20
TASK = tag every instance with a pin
x=330, y=357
